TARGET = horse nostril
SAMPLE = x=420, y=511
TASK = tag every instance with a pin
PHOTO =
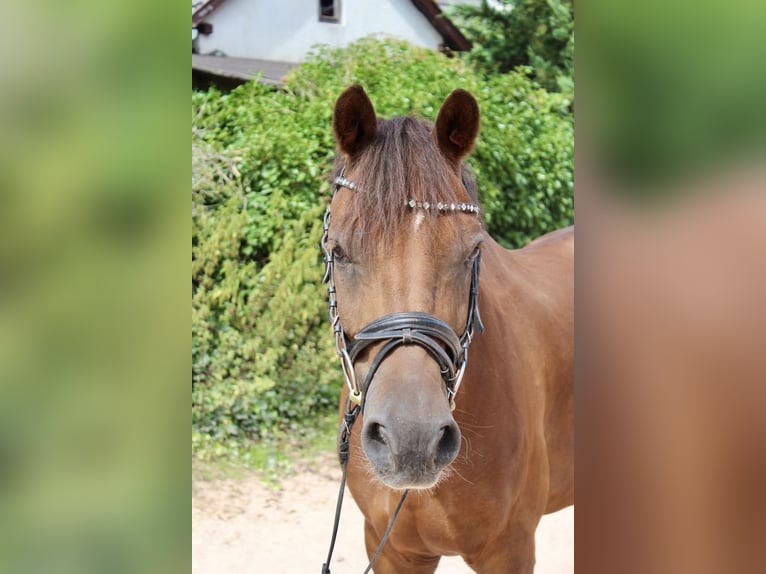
x=376, y=433
x=448, y=445
x=376, y=443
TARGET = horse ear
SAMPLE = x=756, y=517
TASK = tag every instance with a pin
x=354, y=121
x=457, y=126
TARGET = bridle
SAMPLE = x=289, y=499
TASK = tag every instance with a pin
x=408, y=328
x=442, y=343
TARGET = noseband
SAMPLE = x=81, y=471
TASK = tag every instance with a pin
x=449, y=350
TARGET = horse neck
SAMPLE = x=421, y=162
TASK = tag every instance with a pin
x=496, y=280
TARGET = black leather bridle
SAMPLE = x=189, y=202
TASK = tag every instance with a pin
x=447, y=348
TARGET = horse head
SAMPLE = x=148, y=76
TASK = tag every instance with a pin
x=404, y=243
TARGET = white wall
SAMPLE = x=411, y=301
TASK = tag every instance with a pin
x=285, y=30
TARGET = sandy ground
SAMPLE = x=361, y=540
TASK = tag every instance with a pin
x=241, y=526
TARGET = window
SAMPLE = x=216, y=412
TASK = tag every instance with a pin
x=329, y=11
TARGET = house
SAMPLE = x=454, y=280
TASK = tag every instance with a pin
x=237, y=39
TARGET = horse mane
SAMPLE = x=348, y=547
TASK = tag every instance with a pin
x=403, y=162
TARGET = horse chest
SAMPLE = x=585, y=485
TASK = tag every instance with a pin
x=435, y=521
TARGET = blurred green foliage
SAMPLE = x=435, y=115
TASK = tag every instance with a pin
x=511, y=33
x=93, y=288
x=262, y=351
x=676, y=89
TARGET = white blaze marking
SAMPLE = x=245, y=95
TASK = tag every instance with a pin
x=419, y=217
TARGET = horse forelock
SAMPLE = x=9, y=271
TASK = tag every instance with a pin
x=402, y=163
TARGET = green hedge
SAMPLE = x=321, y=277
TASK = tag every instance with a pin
x=262, y=351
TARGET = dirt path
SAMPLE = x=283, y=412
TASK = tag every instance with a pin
x=241, y=526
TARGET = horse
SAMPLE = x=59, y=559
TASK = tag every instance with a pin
x=485, y=446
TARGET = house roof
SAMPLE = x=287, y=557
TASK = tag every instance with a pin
x=453, y=38
x=241, y=69
x=201, y=10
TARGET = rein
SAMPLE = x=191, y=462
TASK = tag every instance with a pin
x=449, y=350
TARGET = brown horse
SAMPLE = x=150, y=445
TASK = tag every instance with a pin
x=405, y=239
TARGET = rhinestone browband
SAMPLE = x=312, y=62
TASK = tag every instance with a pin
x=343, y=182
x=414, y=204
x=443, y=207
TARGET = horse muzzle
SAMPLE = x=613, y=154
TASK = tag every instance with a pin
x=408, y=435
x=410, y=457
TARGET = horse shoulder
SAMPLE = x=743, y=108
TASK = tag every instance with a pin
x=541, y=277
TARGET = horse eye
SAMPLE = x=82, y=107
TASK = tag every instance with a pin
x=474, y=254
x=339, y=255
